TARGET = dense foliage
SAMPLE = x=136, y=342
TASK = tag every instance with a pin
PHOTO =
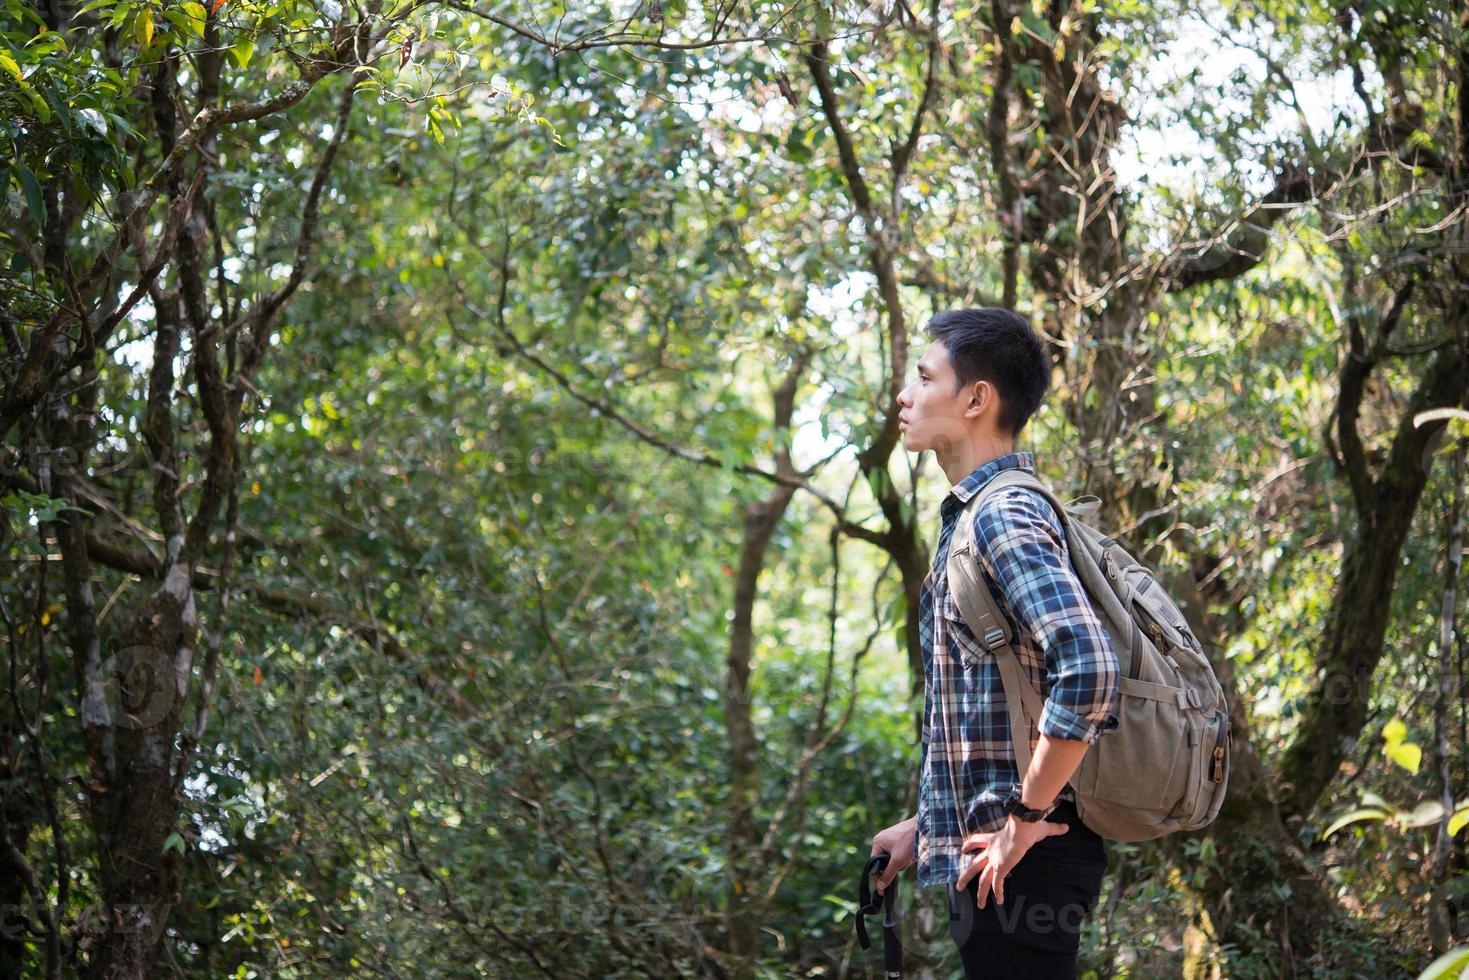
x=453, y=516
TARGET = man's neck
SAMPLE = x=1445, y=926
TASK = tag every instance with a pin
x=980, y=450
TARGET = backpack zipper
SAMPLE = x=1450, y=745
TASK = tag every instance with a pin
x=1217, y=771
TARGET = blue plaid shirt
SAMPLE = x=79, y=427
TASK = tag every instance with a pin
x=1060, y=643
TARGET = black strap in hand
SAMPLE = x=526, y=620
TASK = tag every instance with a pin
x=887, y=904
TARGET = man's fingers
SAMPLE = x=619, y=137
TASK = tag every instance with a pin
x=1056, y=829
x=999, y=887
x=975, y=842
x=880, y=879
x=984, y=885
x=967, y=875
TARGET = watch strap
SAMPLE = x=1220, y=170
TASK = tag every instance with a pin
x=1016, y=806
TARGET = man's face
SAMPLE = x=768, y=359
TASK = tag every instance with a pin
x=931, y=413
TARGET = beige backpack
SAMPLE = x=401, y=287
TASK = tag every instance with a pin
x=1166, y=767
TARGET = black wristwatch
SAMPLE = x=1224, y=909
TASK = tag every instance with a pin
x=1020, y=811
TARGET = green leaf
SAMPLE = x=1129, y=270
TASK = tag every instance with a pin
x=23, y=11
x=796, y=146
x=242, y=51
x=896, y=609
x=1448, y=966
x=823, y=21
x=1434, y=414
x=879, y=482
x=32, y=189
x=43, y=111
x=1366, y=813
x=44, y=43
x=8, y=63
x=1425, y=814
x=143, y=27
x=239, y=808
x=730, y=457
x=174, y=842
x=196, y=17
x=1394, y=731
x=1405, y=754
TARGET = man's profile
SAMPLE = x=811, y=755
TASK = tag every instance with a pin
x=1021, y=868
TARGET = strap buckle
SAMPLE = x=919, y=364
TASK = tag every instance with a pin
x=993, y=637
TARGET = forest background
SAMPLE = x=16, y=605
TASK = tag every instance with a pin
x=452, y=503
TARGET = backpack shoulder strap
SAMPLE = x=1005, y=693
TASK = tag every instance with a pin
x=983, y=617
x=977, y=605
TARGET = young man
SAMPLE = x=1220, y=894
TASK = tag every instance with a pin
x=1029, y=871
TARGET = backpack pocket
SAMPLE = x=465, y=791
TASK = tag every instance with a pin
x=1218, y=743
x=1145, y=765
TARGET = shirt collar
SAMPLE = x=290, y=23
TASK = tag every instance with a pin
x=975, y=481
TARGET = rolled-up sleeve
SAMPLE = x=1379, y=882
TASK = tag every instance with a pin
x=1025, y=555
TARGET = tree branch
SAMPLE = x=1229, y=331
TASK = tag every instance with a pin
x=903, y=153
x=796, y=480
x=262, y=315
x=815, y=57
x=600, y=39
x=1245, y=240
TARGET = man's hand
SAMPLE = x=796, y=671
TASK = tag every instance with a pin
x=999, y=852
x=897, y=843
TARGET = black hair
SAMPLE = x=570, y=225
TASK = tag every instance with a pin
x=997, y=345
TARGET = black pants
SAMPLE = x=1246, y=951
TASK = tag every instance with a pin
x=1036, y=933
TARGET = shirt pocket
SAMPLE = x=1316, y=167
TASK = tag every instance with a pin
x=963, y=648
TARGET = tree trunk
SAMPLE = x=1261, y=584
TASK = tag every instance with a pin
x=744, y=836
x=1336, y=709
x=761, y=518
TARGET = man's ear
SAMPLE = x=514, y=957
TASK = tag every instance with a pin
x=981, y=393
